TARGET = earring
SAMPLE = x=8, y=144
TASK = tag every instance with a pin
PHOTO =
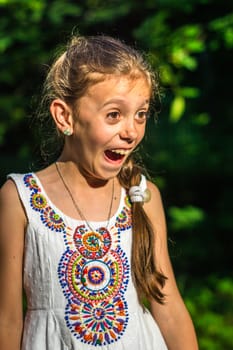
x=67, y=132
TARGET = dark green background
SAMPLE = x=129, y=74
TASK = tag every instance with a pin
x=188, y=146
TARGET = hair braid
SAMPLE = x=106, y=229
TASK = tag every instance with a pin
x=147, y=279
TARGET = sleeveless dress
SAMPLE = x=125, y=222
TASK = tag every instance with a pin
x=80, y=295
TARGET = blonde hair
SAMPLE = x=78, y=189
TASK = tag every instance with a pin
x=86, y=61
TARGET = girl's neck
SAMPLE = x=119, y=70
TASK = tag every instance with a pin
x=77, y=174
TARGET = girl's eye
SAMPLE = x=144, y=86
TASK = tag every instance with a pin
x=113, y=115
x=142, y=116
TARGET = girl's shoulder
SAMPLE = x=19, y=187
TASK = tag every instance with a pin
x=10, y=202
x=154, y=191
x=154, y=207
x=8, y=191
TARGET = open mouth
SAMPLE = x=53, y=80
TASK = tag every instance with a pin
x=116, y=154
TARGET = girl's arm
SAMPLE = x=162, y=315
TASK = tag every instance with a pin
x=172, y=317
x=12, y=225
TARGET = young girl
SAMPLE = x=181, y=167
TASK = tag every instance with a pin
x=86, y=237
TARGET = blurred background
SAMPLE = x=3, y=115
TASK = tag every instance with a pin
x=188, y=146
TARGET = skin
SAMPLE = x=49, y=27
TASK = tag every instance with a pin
x=111, y=116
x=11, y=262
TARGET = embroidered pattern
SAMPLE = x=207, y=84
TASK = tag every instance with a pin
x=124, y=219
x=92, y=245
x=39, y=203
x=93, y=273
x=30, y=182
x=98, y=324
x=52, y=220
x=94, y=280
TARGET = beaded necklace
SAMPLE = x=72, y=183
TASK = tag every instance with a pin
x=76, y=205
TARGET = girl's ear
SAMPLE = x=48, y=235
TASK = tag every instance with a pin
x=62, y=116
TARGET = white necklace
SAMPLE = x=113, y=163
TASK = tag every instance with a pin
x=76, y=205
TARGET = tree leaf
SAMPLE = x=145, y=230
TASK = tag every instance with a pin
x=177, y=108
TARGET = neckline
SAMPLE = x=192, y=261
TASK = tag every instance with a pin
x=65, y=216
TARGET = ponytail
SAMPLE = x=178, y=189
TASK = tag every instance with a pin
x=147, y=279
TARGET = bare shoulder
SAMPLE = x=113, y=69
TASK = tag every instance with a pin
x=154, y=208
x=8, y=188
x=10, y=204
x=9, y=193
x=155, y=192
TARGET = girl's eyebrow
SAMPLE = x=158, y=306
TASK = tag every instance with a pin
x=123, y=101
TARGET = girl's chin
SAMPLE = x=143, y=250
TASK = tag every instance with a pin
x=99, y=177
x=105, y=169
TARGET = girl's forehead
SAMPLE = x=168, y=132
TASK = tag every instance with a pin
x=133, y=75
x=117, y=83
x=118, y=91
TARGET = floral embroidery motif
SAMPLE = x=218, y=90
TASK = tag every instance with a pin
x=98, y=324
x=94, y=280
x=94, y=275
x=124, y=219
x=52, y=220
x=39, y=203
x=30, y=182
x=92, y=245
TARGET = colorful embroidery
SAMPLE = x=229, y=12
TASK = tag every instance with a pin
x=30, y=182
x=91, y=281
x=94, y=275
x=92, y=245
x=127, y=202
x=52, y=220
x=99, y=324
x=39, y=203
x=124, y=219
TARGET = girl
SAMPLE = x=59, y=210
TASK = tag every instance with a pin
x=88, y=233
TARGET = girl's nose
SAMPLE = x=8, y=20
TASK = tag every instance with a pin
x=128, y=131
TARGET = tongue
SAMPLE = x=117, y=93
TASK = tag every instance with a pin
x=113, y=156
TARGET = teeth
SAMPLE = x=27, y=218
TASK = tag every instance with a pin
x=121, y=151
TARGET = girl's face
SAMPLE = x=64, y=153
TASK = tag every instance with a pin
x=110, y=123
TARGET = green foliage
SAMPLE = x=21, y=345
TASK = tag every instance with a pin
x=211, y=306
x=177, y=108
x=185, y=218
x=60, y=10
x=101, y=12
x=223, y=27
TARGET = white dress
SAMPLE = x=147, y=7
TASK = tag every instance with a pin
x=80, y=295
